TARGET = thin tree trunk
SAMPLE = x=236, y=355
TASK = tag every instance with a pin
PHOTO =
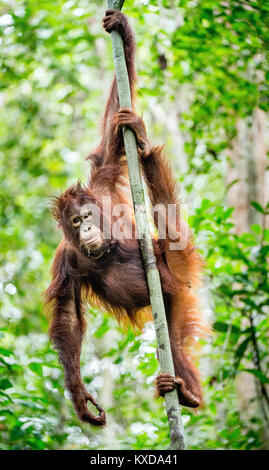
x=248, y=166
x=153, y=277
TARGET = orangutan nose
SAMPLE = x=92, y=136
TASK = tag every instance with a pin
x=87, y=228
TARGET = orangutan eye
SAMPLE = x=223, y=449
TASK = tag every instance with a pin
x=88, y=215
x=76, y=221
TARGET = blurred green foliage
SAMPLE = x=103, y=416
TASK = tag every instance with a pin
x=56, y=68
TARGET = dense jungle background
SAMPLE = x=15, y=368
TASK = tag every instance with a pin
x=203, y=92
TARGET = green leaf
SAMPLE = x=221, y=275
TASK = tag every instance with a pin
x=224, y=327
x=103, y=328
x=5, y=384
x=257, y=207
x=263, y=379
x=36, y=367
x=6, y=352
x=242, y=348
x=256, y=228
x=135, y=346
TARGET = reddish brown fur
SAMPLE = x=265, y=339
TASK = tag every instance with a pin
x=117, y=281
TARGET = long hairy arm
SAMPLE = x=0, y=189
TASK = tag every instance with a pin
x=63, y=301
x=110, y=142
